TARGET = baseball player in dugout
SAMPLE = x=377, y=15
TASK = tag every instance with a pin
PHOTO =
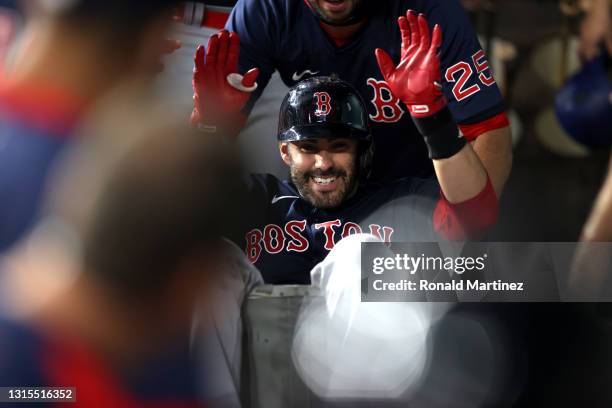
x=301, y=39
x=324, y=137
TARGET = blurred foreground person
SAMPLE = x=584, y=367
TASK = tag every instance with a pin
x=135, y=218
x=10, y=23
x=70, y=54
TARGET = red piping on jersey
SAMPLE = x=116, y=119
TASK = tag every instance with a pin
x=471, y=132
x=470, y=219
x=214, y=19
x=41, y=105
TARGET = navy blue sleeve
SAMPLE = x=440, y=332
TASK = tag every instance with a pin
x=259, y=187
x=25, y=160
x=258, y=25
x=260, y=190
x=9, y=4
x=20, y=354
x=467, y=77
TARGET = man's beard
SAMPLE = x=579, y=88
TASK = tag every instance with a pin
x=325, y=200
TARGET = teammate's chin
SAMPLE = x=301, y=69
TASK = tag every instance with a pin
x=335, y=11
x=324, y=190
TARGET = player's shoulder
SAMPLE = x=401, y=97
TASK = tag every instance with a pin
x=409, y=186
x=429, y=186
x=23, y=111
x=18, y=126
x=437, y=11
x=269, y=185
x=28, y=147
x=8, y=5
x=266, y=9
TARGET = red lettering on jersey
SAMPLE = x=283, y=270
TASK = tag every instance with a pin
x=465, y=71
x=388, y=110
x=273, y=234
x=481, y=64
x=387, y=232
x=350, y=228
x=323, y=103
x=298, y=242
x=253, y=245
x=329, y=232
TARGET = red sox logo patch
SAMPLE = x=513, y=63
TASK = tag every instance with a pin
x=387, y=106
x=323, y=103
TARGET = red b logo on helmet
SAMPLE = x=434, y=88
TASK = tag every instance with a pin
x=323, y=106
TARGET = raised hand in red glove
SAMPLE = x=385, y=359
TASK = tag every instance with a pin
x=220, y=92
x=416, y=80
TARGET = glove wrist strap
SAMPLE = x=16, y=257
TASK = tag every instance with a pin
x=421, y=111
x=441, y=134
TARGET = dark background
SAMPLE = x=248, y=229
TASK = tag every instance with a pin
x=562, y=351
x=548, y=196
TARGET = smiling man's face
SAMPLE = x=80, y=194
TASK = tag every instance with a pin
x=335, y=11
x=323, y=170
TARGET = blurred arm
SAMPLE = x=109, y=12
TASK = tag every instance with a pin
x=494, y=148
x=599, y=224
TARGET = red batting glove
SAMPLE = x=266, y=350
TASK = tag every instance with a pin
x=416, y=81
x=219, y=92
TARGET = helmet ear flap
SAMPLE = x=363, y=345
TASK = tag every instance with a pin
x=366, y=154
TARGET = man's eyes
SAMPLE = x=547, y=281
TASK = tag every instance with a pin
x=308, y=148
x=334, y=147
x=339, y=147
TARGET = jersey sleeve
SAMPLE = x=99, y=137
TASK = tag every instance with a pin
x=21, y=351
x=259, y=188
x=467, y=77
x=25, y=160
x=257, y=25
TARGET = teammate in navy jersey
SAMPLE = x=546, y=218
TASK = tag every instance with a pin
x=55, y=75
x=324, y=137
x=37, y=358
x=301, y=39
x=135, y=215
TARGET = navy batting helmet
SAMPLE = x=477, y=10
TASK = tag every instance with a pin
x=326, y=108
x=584, y=104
